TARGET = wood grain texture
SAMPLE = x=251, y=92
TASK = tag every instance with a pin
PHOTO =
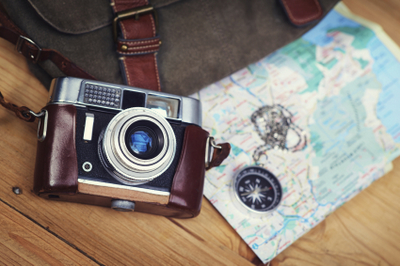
x=384, y=12
x=363, y=231
x=25, y=243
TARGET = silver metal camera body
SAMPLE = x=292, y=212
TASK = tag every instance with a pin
x=69, y=90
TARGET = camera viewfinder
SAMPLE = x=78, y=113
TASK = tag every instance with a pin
x=167, y=107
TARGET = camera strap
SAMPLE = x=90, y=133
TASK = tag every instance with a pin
x=31, y=50
x=28, y=48
x=138, y=42
x=21, y=112
x=217, y=156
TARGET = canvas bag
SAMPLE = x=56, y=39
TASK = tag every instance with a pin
x=203, y=41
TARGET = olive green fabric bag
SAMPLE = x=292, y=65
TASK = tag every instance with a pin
x=203, y=41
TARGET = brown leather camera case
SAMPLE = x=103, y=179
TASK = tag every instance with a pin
x=56, y=171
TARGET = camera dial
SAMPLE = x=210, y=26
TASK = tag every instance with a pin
x=138, y=145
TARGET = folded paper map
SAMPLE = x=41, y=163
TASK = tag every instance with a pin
x=338, y=89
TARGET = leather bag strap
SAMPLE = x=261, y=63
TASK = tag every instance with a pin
x=138, y=42
x=302, y=12
x=27, y=47
x=32, y=51
x=21, y=112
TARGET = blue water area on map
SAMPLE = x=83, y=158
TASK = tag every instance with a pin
x=387, y=70
x=279, y=59
x=259, y=73
x=318, y=34
x=236, y=150
x=342, y=143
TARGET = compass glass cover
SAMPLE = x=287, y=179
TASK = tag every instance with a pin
x=258, y=189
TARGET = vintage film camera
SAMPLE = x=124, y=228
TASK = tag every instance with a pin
x=122, y=147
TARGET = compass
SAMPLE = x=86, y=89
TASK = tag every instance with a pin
x=257, y=189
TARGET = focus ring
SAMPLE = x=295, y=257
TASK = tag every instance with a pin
x=123, y=164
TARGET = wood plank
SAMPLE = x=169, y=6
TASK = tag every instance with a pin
x=384, y=12
x=363, y=231
x=25, y=243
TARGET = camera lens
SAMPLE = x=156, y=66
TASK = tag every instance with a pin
x=140, y=142
x=144, y=140
x=138, y=145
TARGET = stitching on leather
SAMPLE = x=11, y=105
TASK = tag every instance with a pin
x=288, y=10
x=153, y=25
x=152, y=21
x=130, y=1
x=120, y=23
x=157, y=75
x=140, y=52
x=123, y=29
x=139, y=42
x=143, y=47
x=126, y=72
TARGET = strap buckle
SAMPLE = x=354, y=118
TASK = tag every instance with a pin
x=134, y=12
x=45, y=116
x=210, y=144
x=21, y=41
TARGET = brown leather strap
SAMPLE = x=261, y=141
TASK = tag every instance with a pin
x=28, y=48
x=219, y=155
x=138, y=43
x=22, y=112
x=302, y=12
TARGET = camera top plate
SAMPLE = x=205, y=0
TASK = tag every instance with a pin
x=115, y=97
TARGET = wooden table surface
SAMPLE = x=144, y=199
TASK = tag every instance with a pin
x=364, y=231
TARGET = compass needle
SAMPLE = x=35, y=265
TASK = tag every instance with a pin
x=260, y=190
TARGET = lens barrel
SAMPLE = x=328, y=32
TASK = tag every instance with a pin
x=144, y=139
x=138, y=145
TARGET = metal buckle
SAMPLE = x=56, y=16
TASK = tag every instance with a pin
x=134, y=12
x=45, y=116
x=210, y=143
x=21, y=40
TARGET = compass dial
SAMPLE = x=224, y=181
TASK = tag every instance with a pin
x=257, y=189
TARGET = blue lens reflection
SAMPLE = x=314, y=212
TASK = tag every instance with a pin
x=140, y=142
